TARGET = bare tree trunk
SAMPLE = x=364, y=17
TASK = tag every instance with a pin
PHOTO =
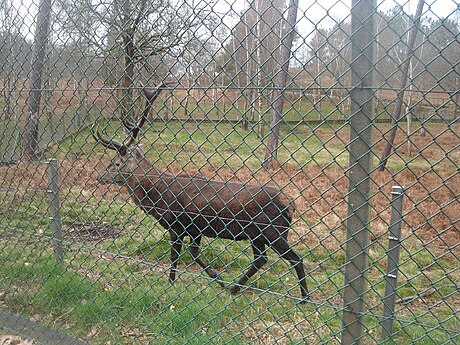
x=188, y=93
x=166, y=108
x=130, y=26
x=30, y=139
x=238, y=86
x=224, y=110
x=8, y=63
x=261, y=127
x=409, y=112
x=247, y=93
x=400, y=97
x=127, y=80
x=7, y=84
x=287, y=39
x=317, y=97
x=409, y=129
x=456, y=98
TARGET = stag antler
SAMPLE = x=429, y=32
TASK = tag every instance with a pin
x=151, y=95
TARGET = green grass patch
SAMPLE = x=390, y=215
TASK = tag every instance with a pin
x=109, y=297
x=116, y=289
x=192, y=145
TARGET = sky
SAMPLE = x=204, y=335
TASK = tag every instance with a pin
x=315, y=10
x=325, y=13
x=319, y=13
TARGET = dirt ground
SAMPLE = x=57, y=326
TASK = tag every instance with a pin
x=431, y=204
x=13, y=340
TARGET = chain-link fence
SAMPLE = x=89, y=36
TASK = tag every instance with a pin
x=298, y=180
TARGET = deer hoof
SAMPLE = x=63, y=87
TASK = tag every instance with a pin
x=305, y=299
x=234, y=289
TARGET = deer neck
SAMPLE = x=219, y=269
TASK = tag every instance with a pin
x=142, y=186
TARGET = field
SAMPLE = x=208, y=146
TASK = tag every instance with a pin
x=113, y=286
x=66, y=110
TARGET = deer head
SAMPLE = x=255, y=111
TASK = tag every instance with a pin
x=129, y=157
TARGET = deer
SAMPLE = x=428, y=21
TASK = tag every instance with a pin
x=194, y=206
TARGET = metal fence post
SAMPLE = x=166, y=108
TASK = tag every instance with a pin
x=362, y=111
x=393, y=261
x=55, y=215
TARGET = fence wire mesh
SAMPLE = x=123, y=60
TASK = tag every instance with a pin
x=282, y=125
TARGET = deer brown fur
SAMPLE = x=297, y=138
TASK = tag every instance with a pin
x=194, y=206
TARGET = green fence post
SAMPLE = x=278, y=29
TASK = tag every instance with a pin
x=394, y=238
x=55, y=215
x=362, y=112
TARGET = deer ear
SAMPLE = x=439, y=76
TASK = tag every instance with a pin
x=139, y=149
x=139, y=153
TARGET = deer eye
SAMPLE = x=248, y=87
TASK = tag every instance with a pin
x=122, y=151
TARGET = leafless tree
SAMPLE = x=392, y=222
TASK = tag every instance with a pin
x=253, y=53
x=271, y=152
x=404, y=76
x=30, y=136
x=10, y=74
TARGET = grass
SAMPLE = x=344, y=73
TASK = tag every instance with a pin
x=225, y=145
x=128, y=300
x=117, y=290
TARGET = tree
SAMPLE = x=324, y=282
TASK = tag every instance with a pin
x=330, y=56
x=404, y=76
x=339, y=43
x=6, y=39
x=11, y=56
x=252, y=54
x=30, y=138
x=402, y=24
x=287, y=40
x=128, y=34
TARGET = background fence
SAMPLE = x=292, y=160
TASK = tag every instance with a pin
x=353, y=115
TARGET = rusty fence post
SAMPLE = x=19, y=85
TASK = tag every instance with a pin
x=54, y=209
x=394, y=241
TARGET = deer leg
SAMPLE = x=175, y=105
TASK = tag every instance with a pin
x=176, y=247
x=281, y=246
x=195, y=251
x=260, y=259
